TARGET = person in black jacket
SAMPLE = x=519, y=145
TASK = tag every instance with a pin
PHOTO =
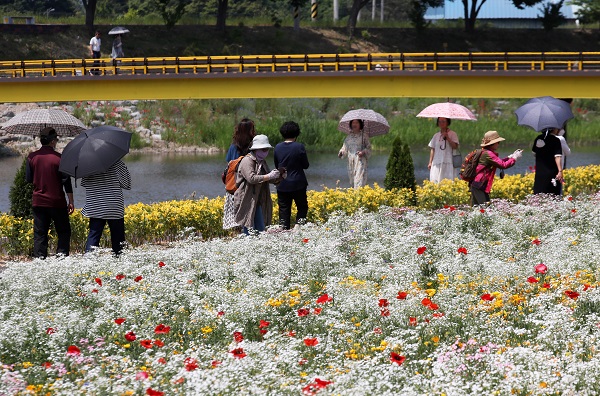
x=291, y=160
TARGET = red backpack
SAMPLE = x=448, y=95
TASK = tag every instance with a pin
x=468, y=170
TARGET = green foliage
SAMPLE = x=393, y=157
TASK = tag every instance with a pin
x=171, y=10
x=20, y=194
x=61, y=7
x=416, y=12
x=552, y=17
x=400, y=170
x=589, y=10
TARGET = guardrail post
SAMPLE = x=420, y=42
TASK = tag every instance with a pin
x=580, y=60
x=543, y=62
x=83, y=67
x=337, y=62
x=390, y=62
x=146, y=66
x=53, y=65
x=114, y=64
x=274, y=63
x=177, y=65
x=241, y=68
x=23, y=68
x=208, y=64
x=370, y=60
x=402, y=61
x=306, y=63
x=505, y=61
x=435, y=61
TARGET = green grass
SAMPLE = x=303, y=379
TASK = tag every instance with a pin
x=211, y=122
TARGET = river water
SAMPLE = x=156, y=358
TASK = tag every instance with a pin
x=164, y=177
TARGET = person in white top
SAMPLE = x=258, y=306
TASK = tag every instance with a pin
x=440, y=157
x=563, y=144
x=95, y=43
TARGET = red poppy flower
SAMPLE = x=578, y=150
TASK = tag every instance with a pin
x=50, y=330
x=159, y=343
x=312, y=388
x=546, y=285
x=130, y=336
x=487, y=297
x=46, y=365
x=541, y=268
x=73, y=350
x=305, y=240
x=311, y=342
x=383, y=302
x=220, y=313
x=161, y=264
x=190, y=364
x=238, y=353
x=291, y=333
x=237, y=336
x=452, y=208
x=162, y=329
x=120, y=277
x=98, y=281
x=377, y=330
x=263, y=331
x=302, y=361
x=586, y=287
x=215, y=363
x=462, y=250
x=531, y=279
x=138, y=278
x=421, y=250
x=433, y=306
x=146, y=344
x=152, y=392
x=303, y=312
x=412, y=321
x=162, y=360
x=397, y=358
x=573, y=210
x=324, y=298
x=572, y=294
x=263, y=323
x=317, y=311
x=93, y=291
x=119, y=321
x=482, y=210
x=438, y=314
x=402, y=295
x=385, y=312
x=536, y=242
x=426, y=302
x=141, y=375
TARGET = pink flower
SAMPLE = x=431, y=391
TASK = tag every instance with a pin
x=141, y=375
x=541, y=268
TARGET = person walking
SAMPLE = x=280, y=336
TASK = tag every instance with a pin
x=104, y=203
x=548, y=163
x=95, y=44
x=48, y=200
x=440, y=156
x=252, y=200
x=243, y=134
x=117, y=48
x=489, y=161
x=291, y=160
x=357, y=147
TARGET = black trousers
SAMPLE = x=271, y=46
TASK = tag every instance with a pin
x=42, y=217
x=284, y=199
x=96, y=55
x=479, y=197
x=117, y=233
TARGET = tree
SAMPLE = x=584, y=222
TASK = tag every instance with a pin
x=589, y=10
x=417, y=9
x=222, y=14
x=472, y=10
x=20, y=195
x=357, y=5
x=171, y=10
x=90, y=14
x=552, y=17
x=400, y=170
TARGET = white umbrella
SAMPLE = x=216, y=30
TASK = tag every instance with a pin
x=449, y=110
x=374, y=123
x=33, y=121
x=118, y=30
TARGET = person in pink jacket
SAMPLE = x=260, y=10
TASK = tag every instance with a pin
x=486, y=169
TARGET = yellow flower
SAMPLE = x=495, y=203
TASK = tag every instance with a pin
x=207, y=329
x=127, y=346
x=27, y=364
x=430, y=292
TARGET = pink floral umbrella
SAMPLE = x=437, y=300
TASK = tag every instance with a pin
x=450, y=110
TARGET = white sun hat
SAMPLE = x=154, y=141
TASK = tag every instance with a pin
x=260, y=142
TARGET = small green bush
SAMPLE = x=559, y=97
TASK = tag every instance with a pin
x=20, y=194
x=400, y=170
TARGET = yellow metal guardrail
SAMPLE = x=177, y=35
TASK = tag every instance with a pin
x=460, y=61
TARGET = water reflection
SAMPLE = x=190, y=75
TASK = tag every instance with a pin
x=163, y=177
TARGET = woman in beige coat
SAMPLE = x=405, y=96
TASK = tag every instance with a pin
x=252, y=200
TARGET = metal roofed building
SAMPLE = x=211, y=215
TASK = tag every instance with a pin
x=499, y=13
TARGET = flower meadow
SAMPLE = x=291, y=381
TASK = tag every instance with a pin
x=497, y=300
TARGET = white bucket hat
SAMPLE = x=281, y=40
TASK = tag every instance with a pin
x=260, y=142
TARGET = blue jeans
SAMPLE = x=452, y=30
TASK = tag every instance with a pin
x=117, y=233
x=259, y=222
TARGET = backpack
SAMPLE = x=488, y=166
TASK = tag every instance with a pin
x=468, y=170
x=228, y=175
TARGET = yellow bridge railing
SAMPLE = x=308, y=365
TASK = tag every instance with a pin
x=457, y=61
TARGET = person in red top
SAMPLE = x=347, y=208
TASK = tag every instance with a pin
x=48, y=201
x=486, y=168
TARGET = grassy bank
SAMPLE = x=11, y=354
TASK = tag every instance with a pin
x=211, y=122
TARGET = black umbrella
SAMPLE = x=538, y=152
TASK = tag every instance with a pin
x=94, y=151
x=543, y=113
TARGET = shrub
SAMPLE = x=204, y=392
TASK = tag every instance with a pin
x=400, y=170
x=20, y=194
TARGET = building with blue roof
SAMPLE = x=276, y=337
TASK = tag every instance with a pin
x=499, y=13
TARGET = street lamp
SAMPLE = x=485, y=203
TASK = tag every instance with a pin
x=48, y=11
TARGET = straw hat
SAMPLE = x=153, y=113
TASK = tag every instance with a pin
x=260, y=142
x=490, y=138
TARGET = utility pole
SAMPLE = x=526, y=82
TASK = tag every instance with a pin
x=381, y=12
x=373, y=9
x=314, y=10
x=336, y=10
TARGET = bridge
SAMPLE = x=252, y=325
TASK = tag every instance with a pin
x=498, y=74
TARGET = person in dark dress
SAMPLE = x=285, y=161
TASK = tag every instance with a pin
x=548, y=168
x=291, y=160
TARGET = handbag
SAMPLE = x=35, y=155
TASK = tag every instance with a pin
x=457, y=158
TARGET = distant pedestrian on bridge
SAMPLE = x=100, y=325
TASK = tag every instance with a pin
x=95, y=44
x=117, y=48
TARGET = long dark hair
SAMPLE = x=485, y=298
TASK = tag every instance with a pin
x=243, y=134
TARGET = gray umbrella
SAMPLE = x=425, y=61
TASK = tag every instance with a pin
x=33, y=121
x=94, y=151
x=543, y=113
x=118, y=30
